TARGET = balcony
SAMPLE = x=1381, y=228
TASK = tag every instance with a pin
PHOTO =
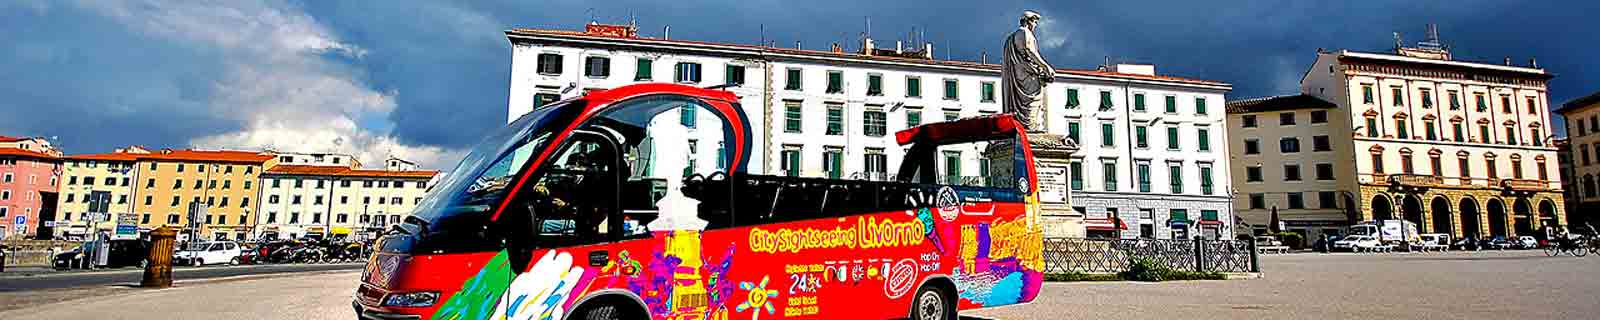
x=1524, y=185
x=1416, y=180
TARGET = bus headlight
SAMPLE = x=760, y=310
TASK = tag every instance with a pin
x=411, y=299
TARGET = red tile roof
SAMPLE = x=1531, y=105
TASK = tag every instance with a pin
x=347, y=172
x=207, y=156
x=104, y=157
x=819, y=53
x=26, y=153
x=10, y=139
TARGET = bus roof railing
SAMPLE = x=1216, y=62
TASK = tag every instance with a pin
x=983, y=128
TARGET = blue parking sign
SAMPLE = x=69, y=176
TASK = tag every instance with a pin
x=22, y=220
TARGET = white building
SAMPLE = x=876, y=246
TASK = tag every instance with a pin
x=1456, y=147
x=317, y=159
x=322, y=200
x=833, y=113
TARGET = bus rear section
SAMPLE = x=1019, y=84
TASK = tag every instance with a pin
x=616, y=210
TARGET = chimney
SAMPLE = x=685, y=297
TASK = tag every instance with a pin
x=1508, y=60
x=866, y=46
x=984, y=57
x=899, y=47
x=1533, y=62
x=927, y=50
x=836, y=49
x=666, y=32
x=797, y=44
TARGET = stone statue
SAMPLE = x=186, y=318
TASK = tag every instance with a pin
x=1024, y=74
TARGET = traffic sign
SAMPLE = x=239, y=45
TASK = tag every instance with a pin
x=22, y=220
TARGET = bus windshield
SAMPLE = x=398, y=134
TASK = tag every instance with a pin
x=460, y=207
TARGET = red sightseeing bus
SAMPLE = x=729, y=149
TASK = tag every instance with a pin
x=597, y=208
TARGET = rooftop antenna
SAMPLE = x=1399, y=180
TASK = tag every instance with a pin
x=763, y=35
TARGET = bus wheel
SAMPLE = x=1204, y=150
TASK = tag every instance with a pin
x=931, y=304
x=607, y=311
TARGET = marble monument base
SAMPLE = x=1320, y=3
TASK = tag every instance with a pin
x=1052, y=155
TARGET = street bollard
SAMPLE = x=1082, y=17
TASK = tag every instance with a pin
x=158, y=266
x=3, y=258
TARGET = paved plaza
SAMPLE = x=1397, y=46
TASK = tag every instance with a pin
x=1508, y=285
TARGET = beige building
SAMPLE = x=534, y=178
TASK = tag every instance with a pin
x=324, y=200
x=1583, y=131
x=95, y=184
x=208, y=193
x=1457, y=147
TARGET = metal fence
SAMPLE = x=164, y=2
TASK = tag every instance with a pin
x=1065, y=255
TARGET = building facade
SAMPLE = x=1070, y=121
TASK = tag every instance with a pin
x=1583, y=149
x=1288, y=161
x=1151, y=164
x=95, y=184
x=321, y=201
x=1456, y=147
x=29, y=172
x=209, y=194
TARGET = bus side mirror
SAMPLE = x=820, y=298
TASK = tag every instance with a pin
x=519, y=232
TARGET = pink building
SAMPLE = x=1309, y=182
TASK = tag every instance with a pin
x=29, y=171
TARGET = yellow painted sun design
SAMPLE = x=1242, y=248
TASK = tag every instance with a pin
x=759, y=298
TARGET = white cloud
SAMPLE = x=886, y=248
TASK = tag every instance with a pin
x=278, y=82
x=1051, y=33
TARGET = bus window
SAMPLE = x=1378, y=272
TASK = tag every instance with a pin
x=575, y=199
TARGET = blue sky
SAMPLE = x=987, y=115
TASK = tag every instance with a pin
x=424, y=80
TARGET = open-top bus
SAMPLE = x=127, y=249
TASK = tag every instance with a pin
x=597, y=208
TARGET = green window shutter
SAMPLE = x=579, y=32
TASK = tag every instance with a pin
x=1144, y=177
x=1109, y=171
x=1138, y=102
x=950, y=89
x=1208, y=215
x=1366, y=94
x=874, y=84
x=913, y=118
x=1172, y=138
x=1072, y=98
x=1172, y=104
x=1204, y=137
x=835, y=82
x=1175, y=176
x=643, y=72
x=988, y=91
x=686, y=116
x=1399, y=97
x=792, y=81
x=1142, y=140
x=1072, y=132
x=1205, y=180
x=1077, y=175
x=1200, y=105
x=791, y=117
x=1179, y=215
x=913, y=87
x=1105, y=100
x=1372, y=127
x=1106, y=137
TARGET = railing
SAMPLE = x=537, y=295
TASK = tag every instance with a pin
x=1525, y=185
x=1065, y=255
x=1416, y=180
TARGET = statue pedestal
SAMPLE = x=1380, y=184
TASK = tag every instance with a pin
x=1052, y=155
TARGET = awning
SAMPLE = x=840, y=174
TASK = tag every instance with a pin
x=1106, y=225
x=341, y=230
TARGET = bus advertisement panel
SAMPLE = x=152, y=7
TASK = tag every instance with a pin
x=597, y=208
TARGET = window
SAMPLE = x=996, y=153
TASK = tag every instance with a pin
x=1108, y=169
x=686, y=117
x=1172, y=104
x=1140, y=137
x=1199, y=105
x=1203, y=136
x=1247, y=121
x=1252, y=146
x=1544, y=172
x=791, y=79
x=1400, y=129
x=597, y=67
x=1320, y=143
x=1144, y=176
x=1107, y=139
x=1138, y=102
x=1172, y=137
x=1427, y=99
x=1377, y=163
x=1258, y=201
x=913, y=87
x=1175, y=177
x=1325, y=200
x=835, y=119
x=1455, y=101
x=1533, y=134
x=1505, y=104
x=1494, y=173
x=1252, y=174
x=874, y=84
x=298, y=183
x=1483, y=105
x=180, y=167
x=950, y=89
x=1286, y=119
x=833, y=162
x=1289, y=145
x=1077, y=174
x=1582, y=130
x=791, y=161
x=1072, y=98
x=1072, y=131
x=177, y=184
x=913, y=117
x=1291, y=172
x=1297, y=200
x=1205, y=180
x=1366, y=94
x=1466, y=170
x=642, y=71
x=1372, y=127
x=1516, y=168
x=987, y=91
x=1105, y=100
x=951, y=115
x=835, y=81
x=296, y=200
x=1457, y=131
x=1324, y=171
x=1511, y=135
x=1428, y=131
x=952, y=167
x=733, y=75
x=791, y=116
x=1483, y=134
x=1397, y=96
x=874, y=123
x=1406, y=164
x=1436, y=167
x=687, y=72
x=876, y=164
x=542, y=99
x=247, y=184
x=549, y=63
x=1319, y=116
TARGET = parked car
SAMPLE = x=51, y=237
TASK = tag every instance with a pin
x=123, y=253
x=1526, y=242
x=1496, y=243
x=208, y=252
x=1356, y=243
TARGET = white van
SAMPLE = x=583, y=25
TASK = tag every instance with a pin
x=1433, y=242
x=208, y=252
